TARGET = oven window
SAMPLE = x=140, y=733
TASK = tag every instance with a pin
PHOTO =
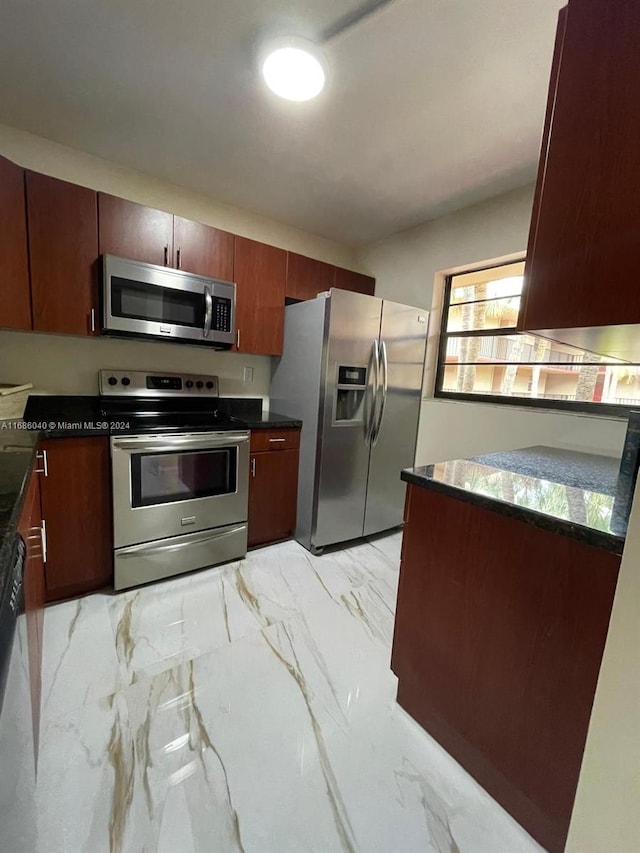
x=140, y=301
x=160, y=478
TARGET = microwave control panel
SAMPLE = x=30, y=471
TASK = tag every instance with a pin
x=221, y=314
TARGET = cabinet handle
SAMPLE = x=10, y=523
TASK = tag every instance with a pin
x=178, y=258
x=43, y=539
x=277, y=439
x=253, y=467
x=93, y=319
x=237, y=338
x=166, y=256
x=45, y=463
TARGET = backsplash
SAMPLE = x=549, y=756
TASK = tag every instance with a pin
x=62, y=364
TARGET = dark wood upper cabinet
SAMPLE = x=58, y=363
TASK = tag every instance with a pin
x=356, y=281
x=77, y=512
x=307, y=277
x=260, y=272
x=63, y=253
x=15, y=302
x=133, y=231
x=202, y=249
x=583, y=252
x=273, y=491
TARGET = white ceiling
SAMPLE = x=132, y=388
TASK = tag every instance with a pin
x=432, y=104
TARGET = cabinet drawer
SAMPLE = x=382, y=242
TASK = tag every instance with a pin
x=274, y=439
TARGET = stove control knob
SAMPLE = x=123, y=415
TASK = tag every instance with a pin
x=189, y=383
x=199, y=383
x=126, y=381
x=112, y=380
x=209, y=385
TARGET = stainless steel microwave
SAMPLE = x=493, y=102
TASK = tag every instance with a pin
x=159, y=302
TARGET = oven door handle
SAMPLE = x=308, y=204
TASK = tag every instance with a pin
x=208, y=311
x=146, y=549
x=164, y=443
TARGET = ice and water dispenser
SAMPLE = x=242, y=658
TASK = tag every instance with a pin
x=350, y=395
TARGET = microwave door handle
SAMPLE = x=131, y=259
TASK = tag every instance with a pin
x=208, y=311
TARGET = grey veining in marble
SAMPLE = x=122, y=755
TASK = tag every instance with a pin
x=247, y=708
x=567, y=492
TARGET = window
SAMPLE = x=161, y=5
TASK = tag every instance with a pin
x=482, y=356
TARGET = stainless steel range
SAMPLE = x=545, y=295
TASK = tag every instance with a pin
x=180, y=472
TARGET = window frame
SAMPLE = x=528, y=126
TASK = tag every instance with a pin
x=593, y=409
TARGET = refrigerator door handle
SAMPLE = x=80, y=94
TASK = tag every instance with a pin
x=372, y=390
x=385, y=385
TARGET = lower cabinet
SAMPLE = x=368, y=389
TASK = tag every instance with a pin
x=76, y=507
x=30, y=528
x=273, y=487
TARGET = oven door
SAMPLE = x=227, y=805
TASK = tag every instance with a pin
x=169, y=485
x=144, y=299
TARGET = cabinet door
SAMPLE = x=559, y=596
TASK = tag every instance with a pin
x=355, y=281
x=30, y=528
x=202, y=249
x=15, y=302
x=133, y=231
x=273, y=495
x=63, y=253
x=584, y=252
x=76, y=506
x=260, y=272
x=307, y=277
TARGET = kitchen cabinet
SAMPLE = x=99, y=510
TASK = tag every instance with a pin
x=307, y=277
x=63, y=255
x=31, y=529
x=15, y=302
x=583, y=251
x=273, y=485
x=499, y=634
x=260, y=273
x=133, y=231
x=202, y=249
x=76, y=507
x=355, y=281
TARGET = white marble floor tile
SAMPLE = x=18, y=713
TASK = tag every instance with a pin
x=248, y=708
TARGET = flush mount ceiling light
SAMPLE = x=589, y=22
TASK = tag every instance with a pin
x=294, y=68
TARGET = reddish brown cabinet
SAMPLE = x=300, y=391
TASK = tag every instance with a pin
x=15, y=301
x=202, y=249
x=31, y=529
x=355, y=281
x=273, y=485
x=307, y=277
x=63, y=253
x=499, y=634
x=133, y=231
x=76, y=507
x=583, y=251
x=260, y=273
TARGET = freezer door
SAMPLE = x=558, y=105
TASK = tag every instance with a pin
x=346, y=416
x=403, y=338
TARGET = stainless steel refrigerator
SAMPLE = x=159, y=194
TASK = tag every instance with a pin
x=352, y=370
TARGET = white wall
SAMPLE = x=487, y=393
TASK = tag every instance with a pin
x=69, y=365
x=410, y=267
x=454, y=430
x=61, y=364
x=606, y=814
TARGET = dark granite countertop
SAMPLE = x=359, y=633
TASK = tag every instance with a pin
x=17, y=450
x=272, y=420
x=574, y=494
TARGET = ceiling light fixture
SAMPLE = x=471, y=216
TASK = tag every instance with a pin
x=294, y=68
